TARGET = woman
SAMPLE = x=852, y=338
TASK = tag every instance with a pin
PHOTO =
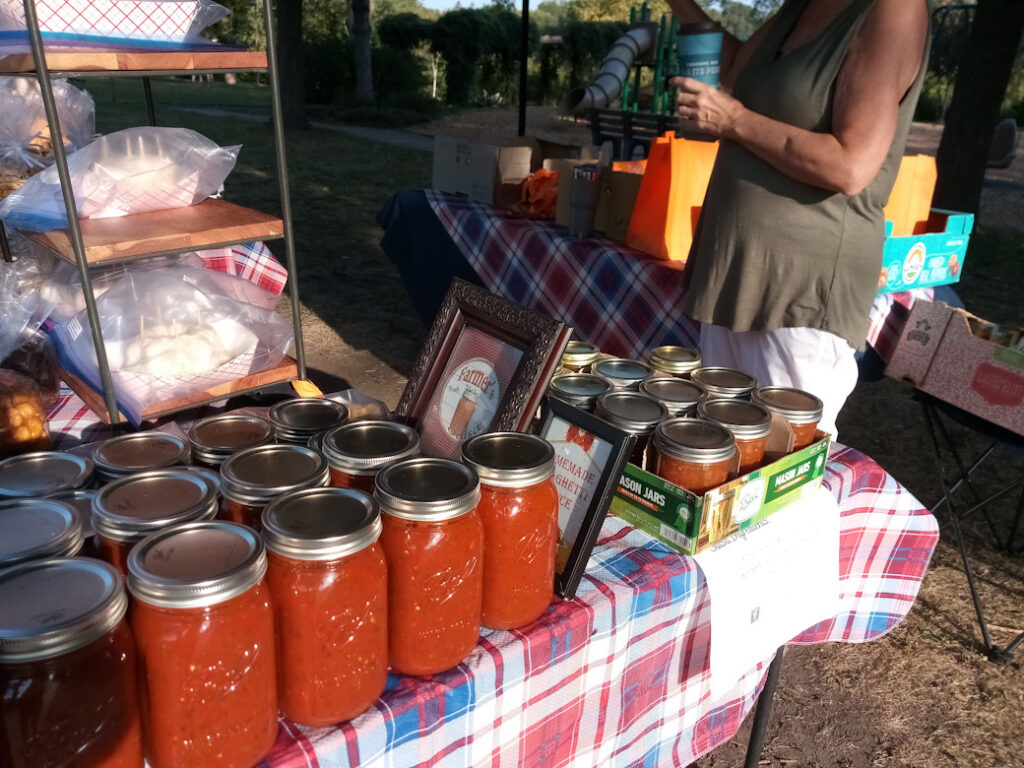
x=813, y=117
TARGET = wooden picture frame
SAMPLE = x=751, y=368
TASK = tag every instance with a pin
x=590, y=455
x=484, y=368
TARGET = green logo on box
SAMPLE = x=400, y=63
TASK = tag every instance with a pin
x=795, y=476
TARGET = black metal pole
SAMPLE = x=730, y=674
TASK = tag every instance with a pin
x=524, y=53
x=5, y=247
x=762, y=715
x=150, y=107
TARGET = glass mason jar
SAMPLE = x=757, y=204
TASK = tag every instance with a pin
x=43, y=473
x=128, y=510
x=81, y=501
x=635, y=413
x=724, y=382
x=204, y=629
x=679, y=397
x=356, y=452
x=139, y=452
x=578, y=389
x=579, y=356
x=67, y=668
x=622, y=373
x=34, y=529
x=434, y=545
x=299, y=418
x=801, y=409
x=693, y=453
x=749, y=423
x=674, y=360
x=519, y=511
x=215, y=438
x=328, y=585
x=253, y=478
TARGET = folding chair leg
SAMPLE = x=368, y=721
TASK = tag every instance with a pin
x=1011, y=540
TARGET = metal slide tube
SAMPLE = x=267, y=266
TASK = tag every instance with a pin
x=614, y=70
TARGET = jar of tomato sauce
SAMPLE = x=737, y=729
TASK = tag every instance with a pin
x=217, y=437
x=43, y=473
x=578, y=389
x=721, y=382
x=801, y=409
x=253, y=478
x=679, y=397
x=579, y=356
x=635, y=413
x=674, y=360
x=356, y=452
x=128, y=510
x=139, y=452
x=749, y=423
x=622, y=373
x=519, y=511
x=434, y=545
x=328, y=584
x=35, y=529
x=67, y=668
x=693, y=453
x=81, y=501
x=299, y=418
x=204, y=629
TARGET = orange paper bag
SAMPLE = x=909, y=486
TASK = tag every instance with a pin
x=909, y=203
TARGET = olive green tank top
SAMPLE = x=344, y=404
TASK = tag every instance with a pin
x=772, y=252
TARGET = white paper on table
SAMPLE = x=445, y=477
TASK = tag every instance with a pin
x=770, y=583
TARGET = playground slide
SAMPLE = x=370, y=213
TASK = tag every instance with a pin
x=614, y=70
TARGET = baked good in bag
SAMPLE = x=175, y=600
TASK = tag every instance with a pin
x=22, y=417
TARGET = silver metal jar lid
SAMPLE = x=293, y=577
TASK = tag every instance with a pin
x=139, y=452
x=52, y=607
x=427, y=490
x=298, y=419
x=794, y=405
x=724, y=382
x=133, y=507
x=696, y=440
x=631, y=411
x=321, y=523
x=43, y=473
x=509, y=459
x=81, y=500
x=258, y=475
x=579, y=354
x=622, y=373
x=196, y=564
x=746, y=420
x=677, y=395
x=217, y=437
x=33, y=529
x=579, y=389
x=363, y=447
x=673, y=359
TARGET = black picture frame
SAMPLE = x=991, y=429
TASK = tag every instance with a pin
x=587, y=513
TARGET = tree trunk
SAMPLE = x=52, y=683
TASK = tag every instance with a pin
x=291, y=72
x=361, y=51
x=981, y=81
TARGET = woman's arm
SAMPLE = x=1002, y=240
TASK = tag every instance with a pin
x=880, y=66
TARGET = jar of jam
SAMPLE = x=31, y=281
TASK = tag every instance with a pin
x=674, y=361
x=621, y=373
x=128, y=510
x=519, y=511
x=693, y=453
x=749, y=423
x=82, y=502
x=579, y=356
x=679, y=397
x=139, y=452
x=635, y=413
x=434, y=545
x=67, y=668
x=328, y=586
x=298, y=419
x=724, y=382
x=43, y=473
x=34, y=529
x=356, y=452
x=253, y=478
x=579, y=389
x=204, y=629
x=801, y=409
x=215, y=438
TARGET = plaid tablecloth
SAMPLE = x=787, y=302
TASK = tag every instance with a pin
x=621, y=299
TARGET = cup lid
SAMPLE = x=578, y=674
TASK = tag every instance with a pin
x=509, y=459
x=794, y=405
x=363, y=447
x=746, y=420
x=427, y=489
x=43, y=473
x=257, y=475
x=696, y=440
x=33, y=529
x=632, y=411
x=321, y=523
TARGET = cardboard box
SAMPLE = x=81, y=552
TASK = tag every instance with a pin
x=934, y=257
x=615, y=208
x=547, y=149
x=484, y=172
x=939, y=355
x=683, y=520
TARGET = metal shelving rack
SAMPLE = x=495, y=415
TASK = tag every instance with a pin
x=164, y=231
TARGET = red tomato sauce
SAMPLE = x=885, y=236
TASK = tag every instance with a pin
x=340, y=479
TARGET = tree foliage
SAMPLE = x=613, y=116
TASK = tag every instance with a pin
x=480, y=47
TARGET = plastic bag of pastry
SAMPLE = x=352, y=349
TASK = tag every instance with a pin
x=22, y=417
x=131, y=171
x=21, y=309
x=25, y=141
x=35, y=359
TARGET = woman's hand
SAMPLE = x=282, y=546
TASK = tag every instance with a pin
x=710, y=109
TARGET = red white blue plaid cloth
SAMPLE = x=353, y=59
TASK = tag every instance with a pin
x=618, y=676
x=623, y=300
x=251, y=261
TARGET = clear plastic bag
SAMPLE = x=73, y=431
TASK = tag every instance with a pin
x=25, y=142
x=35, y=359
x=172, y=333
x=21, y=308
x=23, y=425
x=130, y=171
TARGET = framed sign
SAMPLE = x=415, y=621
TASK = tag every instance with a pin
x=483, y=368
x=590, y=455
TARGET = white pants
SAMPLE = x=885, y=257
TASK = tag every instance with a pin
x=815, y=361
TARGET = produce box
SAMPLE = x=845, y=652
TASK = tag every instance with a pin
x=484, y=172
x=691, y=523
x=938, y=354
x=933, y=257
